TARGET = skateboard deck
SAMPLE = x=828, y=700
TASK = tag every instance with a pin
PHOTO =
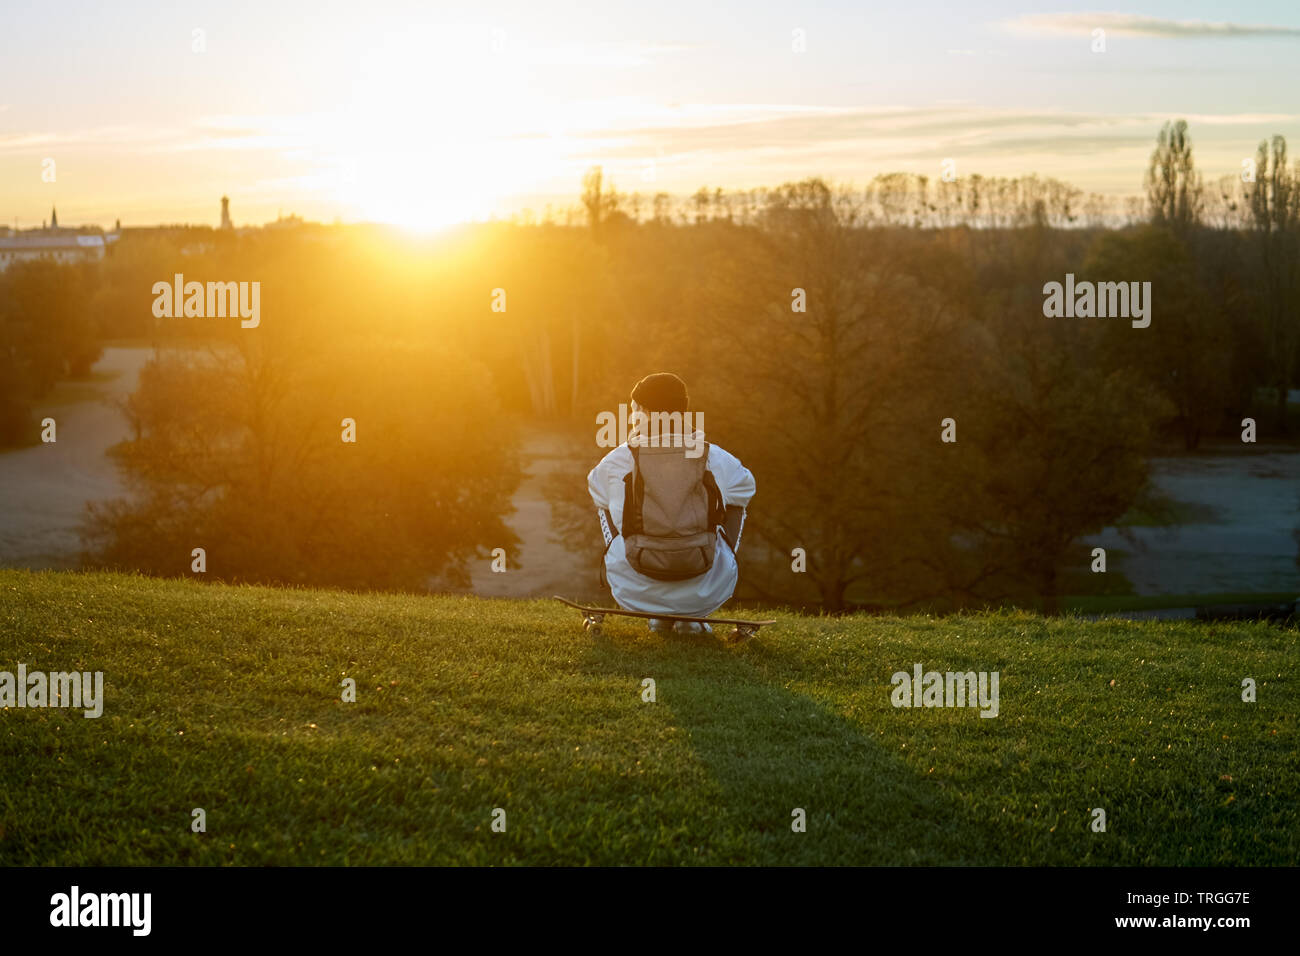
x=594, y=617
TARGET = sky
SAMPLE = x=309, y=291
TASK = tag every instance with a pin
x=424, y=114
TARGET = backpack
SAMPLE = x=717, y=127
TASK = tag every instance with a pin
x=671, y=511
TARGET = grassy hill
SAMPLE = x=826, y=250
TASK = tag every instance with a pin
x=228, y=698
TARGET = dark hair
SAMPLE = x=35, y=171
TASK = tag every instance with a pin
x=661, y=392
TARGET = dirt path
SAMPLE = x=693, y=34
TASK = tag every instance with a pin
x=545, y=567
x=45, y=487
x=1247, y=546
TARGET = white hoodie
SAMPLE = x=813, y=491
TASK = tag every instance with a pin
x=694, y=597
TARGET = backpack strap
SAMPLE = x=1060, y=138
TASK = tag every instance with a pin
x=633, y=491
x=717, y=507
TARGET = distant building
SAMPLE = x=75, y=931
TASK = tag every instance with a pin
x=70, y=248
x=291, y=221
x=53, y=244
x=63, y=244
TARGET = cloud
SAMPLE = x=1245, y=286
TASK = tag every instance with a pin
x=1133, y=24
x=762, y=143
x=944, y=126
x=648, y=129
x=113, y=138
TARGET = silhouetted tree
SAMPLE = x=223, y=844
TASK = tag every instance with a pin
x=1174, y=189
x=1274, y=200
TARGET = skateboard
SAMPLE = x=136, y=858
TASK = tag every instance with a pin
x=594, y=617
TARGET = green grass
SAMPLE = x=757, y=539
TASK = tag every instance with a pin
x=228, y=699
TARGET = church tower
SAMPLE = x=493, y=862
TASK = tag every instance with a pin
x=54, y=218
x=225, y=213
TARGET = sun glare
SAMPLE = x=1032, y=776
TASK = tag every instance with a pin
x=422, y=190
x=425, y=140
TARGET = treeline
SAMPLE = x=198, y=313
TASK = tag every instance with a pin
x=1224, y=259
x=890, y=199
x=918, y=201
x=832, y=336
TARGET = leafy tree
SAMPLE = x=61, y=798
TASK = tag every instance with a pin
x=46, y=334
x=241, y=453
x=43, y=306
x=1184, y=351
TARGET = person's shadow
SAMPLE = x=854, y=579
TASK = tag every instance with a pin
x=769, y=751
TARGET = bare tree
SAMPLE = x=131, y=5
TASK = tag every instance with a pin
x=593, y=199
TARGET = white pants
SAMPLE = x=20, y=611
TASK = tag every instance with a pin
x=694, y=597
